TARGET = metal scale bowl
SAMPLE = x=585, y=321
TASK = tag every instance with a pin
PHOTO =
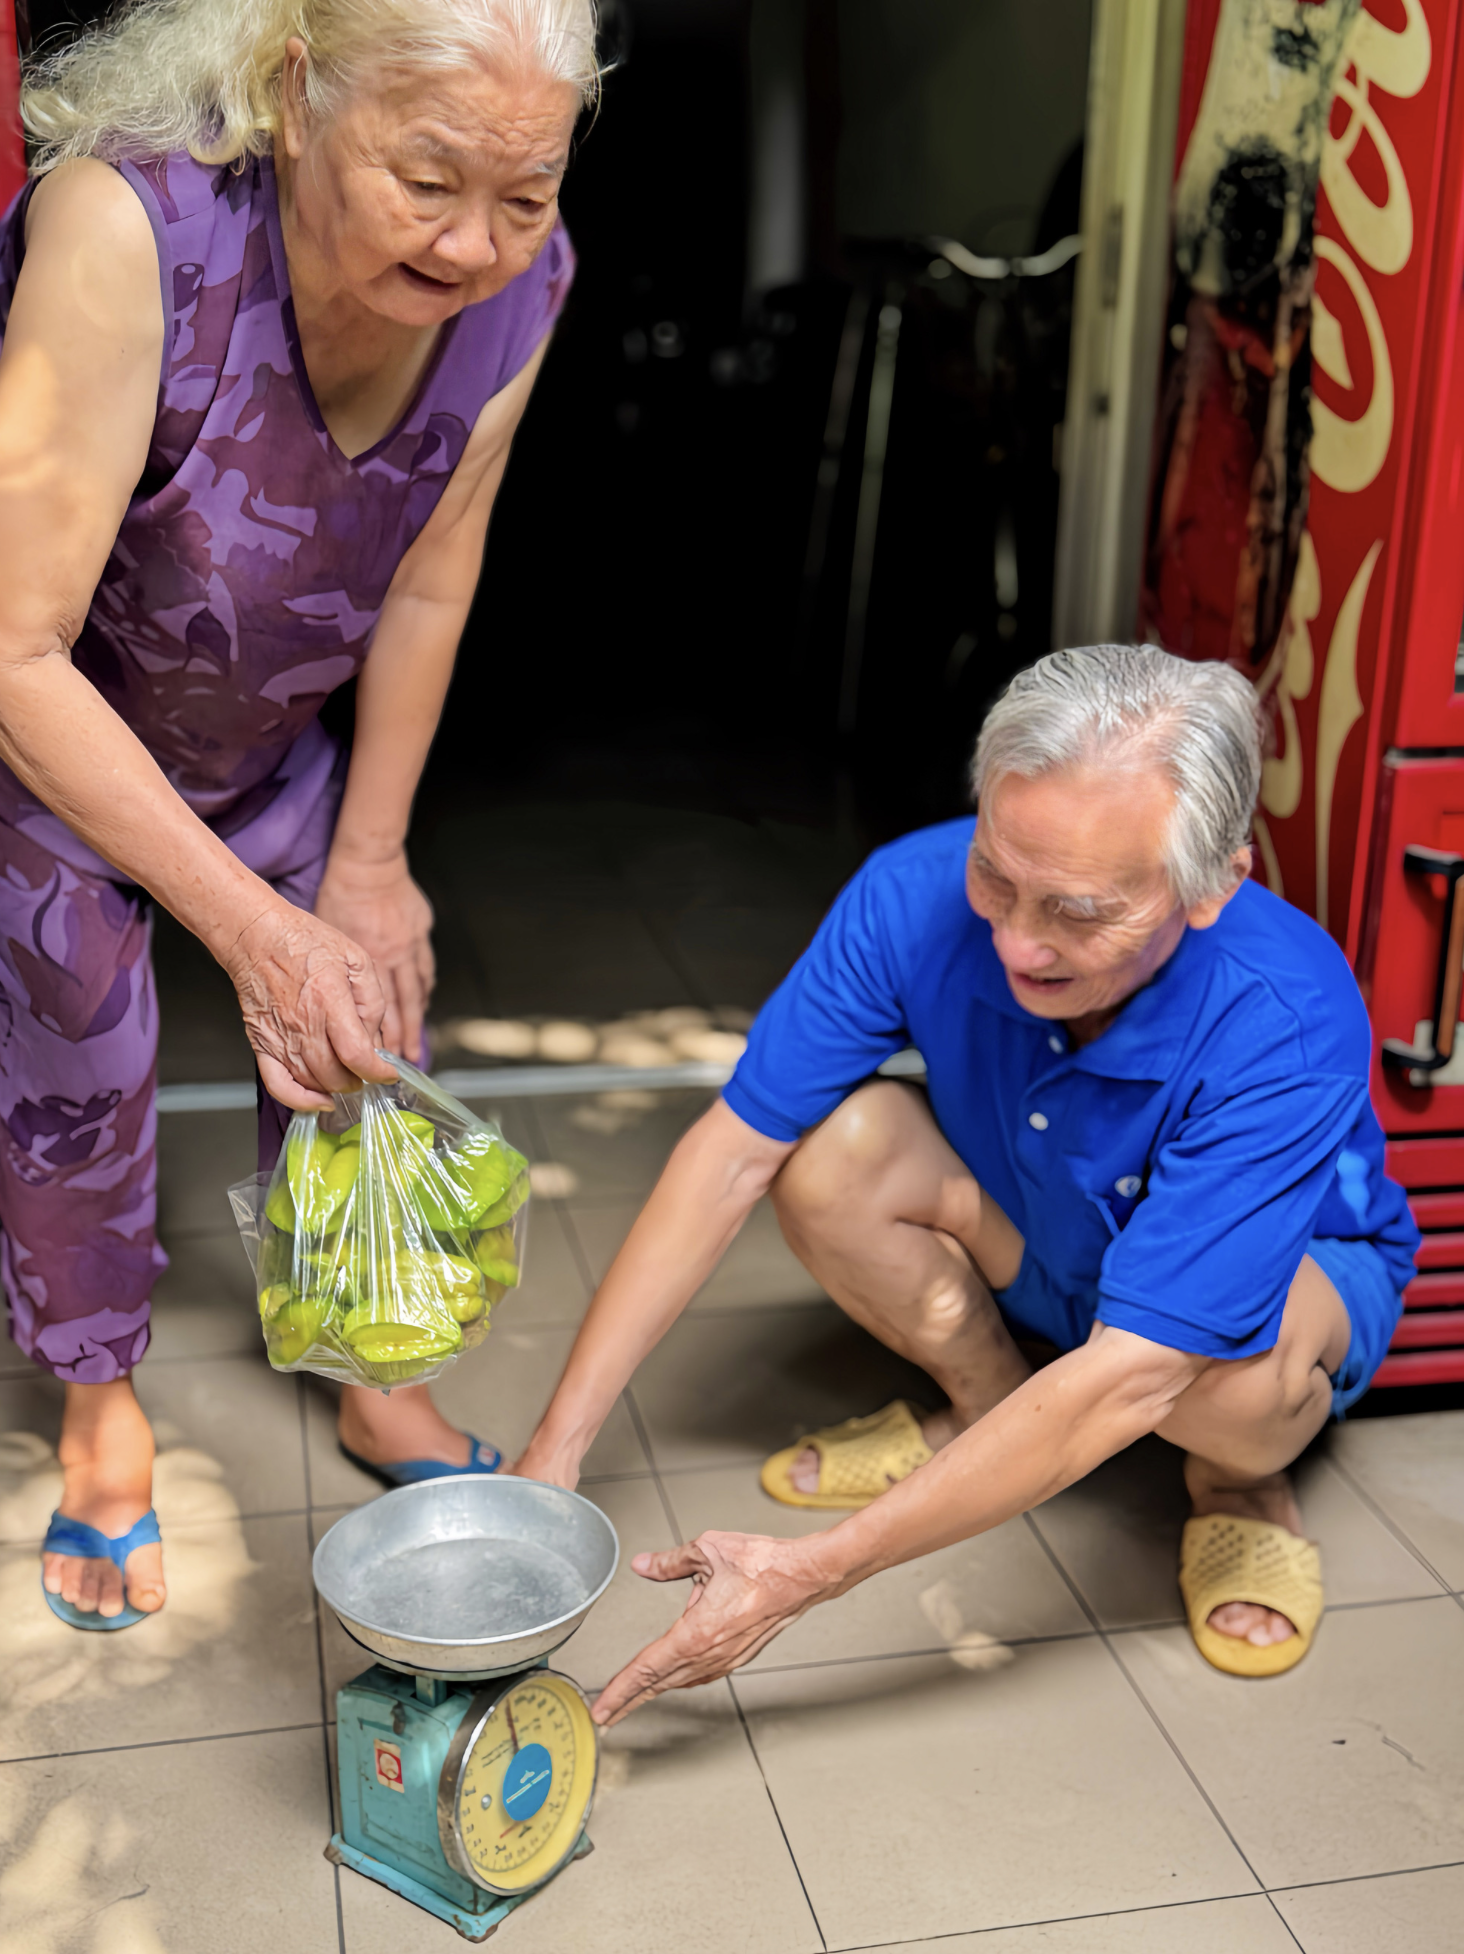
x=467, y=1767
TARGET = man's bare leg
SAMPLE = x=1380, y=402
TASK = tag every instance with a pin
x=887, y=1217
x=1242, y=1424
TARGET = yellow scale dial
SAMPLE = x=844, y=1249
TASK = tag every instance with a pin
x=525, y=1783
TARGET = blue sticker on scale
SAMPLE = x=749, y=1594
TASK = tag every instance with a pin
x=527, y=1780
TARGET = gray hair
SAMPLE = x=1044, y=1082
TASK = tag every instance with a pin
x=1132, y=705
x=205, y=75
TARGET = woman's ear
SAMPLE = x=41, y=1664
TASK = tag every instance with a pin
x=293, y=110
x=1206, y=913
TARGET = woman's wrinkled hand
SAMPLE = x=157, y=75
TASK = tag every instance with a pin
x=312, y=1006
x=747, y=1590
x=379, y=906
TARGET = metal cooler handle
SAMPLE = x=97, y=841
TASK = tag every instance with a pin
x=1397, y=1051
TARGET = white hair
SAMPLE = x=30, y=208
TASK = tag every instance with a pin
x=1136, y=706
x=205, y=75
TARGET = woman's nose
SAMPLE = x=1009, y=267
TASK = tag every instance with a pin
x=467, y=244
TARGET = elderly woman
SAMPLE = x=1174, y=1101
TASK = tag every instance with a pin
x=1146, y=1140
x=273, y=307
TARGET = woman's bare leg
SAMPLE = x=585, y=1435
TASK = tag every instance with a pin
x=406, y=1425
x=107, y=1457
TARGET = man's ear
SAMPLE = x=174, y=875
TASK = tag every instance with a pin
x=1205, y=914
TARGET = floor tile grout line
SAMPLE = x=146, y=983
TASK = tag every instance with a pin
x=1359, y=1879
x=1107, y=1640
x=159, y=1743
x=922, y=1654
x=777, y=1816
x=1050, y=1920
x=1387, y=1520
x=1183, y=1761
x=1286, y=1926
x=1068, y=1580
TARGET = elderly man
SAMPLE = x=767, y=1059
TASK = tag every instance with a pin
x=1145, y=1139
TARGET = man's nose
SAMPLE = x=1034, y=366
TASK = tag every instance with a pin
x=1019, y=948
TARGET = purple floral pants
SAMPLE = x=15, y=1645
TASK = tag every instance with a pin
x=79, y=1251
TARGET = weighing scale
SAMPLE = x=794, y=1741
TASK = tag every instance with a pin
x=466, y=1766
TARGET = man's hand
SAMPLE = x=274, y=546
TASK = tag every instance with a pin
x=748, y=1588
x=379, y=906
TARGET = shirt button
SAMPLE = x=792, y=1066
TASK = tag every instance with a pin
x=1128, y=1186
x=1039, y=1120
x=1055, y=1042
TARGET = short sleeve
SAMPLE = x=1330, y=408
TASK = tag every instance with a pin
x=532, y=304
x=833, y=1020
x=1209, y=1254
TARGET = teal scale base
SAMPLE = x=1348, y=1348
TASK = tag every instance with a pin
x=472, y=1926
x=389, y=1832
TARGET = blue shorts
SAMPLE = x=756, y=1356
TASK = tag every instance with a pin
x=1360, y=1276
x=1033, y=1306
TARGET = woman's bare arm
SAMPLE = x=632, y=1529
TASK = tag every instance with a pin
x=368, y=889
x=78, y=395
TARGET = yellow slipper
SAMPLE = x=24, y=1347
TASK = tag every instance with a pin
x=858, y=1460
x=1223, y=1558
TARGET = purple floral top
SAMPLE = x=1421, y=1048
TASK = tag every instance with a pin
x=253, y=560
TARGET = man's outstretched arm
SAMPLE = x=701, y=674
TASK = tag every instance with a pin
x=707, y=1189
x=1052, y=1431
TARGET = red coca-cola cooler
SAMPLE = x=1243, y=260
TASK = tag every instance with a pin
x=1306, y=518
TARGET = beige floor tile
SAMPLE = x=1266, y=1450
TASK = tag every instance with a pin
x=234, y=1409
x=724, y=1388
x=204, y=1304
x=758, y=1271
x=1414, y=1468
x=971, y=1598
x=619, y=1164
x=233, y=1649
x=1401, y=1913
x=688, y=1857
x=189, y=1847
x=243, y=1413
x=1117, y=1535
x=200, y=1156
x=497, y=1391
x=631, y=1613
x=1352, y=1763
x=1246, y=1926
x=554, y=1290
x=922, y=1799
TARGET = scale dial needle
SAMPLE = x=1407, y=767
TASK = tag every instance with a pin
x=512, y=1728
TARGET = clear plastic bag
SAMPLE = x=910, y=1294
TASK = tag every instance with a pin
x=386, y=1233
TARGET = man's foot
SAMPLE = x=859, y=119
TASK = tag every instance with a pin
x=938, y=1429
x=106, y=1456
x=406, y=1425
x=1269, y=1499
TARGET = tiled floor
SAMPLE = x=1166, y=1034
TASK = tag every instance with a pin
x=1009, y=1747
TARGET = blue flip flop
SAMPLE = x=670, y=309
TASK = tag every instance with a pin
x=409, y=1472
x=77, y=1541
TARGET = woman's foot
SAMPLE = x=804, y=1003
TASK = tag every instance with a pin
x=106, y=1456
x=405, y=1425
x=1271, y=1499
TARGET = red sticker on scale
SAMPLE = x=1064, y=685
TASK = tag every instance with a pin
x=389, y=1766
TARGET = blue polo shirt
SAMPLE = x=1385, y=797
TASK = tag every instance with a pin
x=1166, y=1178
